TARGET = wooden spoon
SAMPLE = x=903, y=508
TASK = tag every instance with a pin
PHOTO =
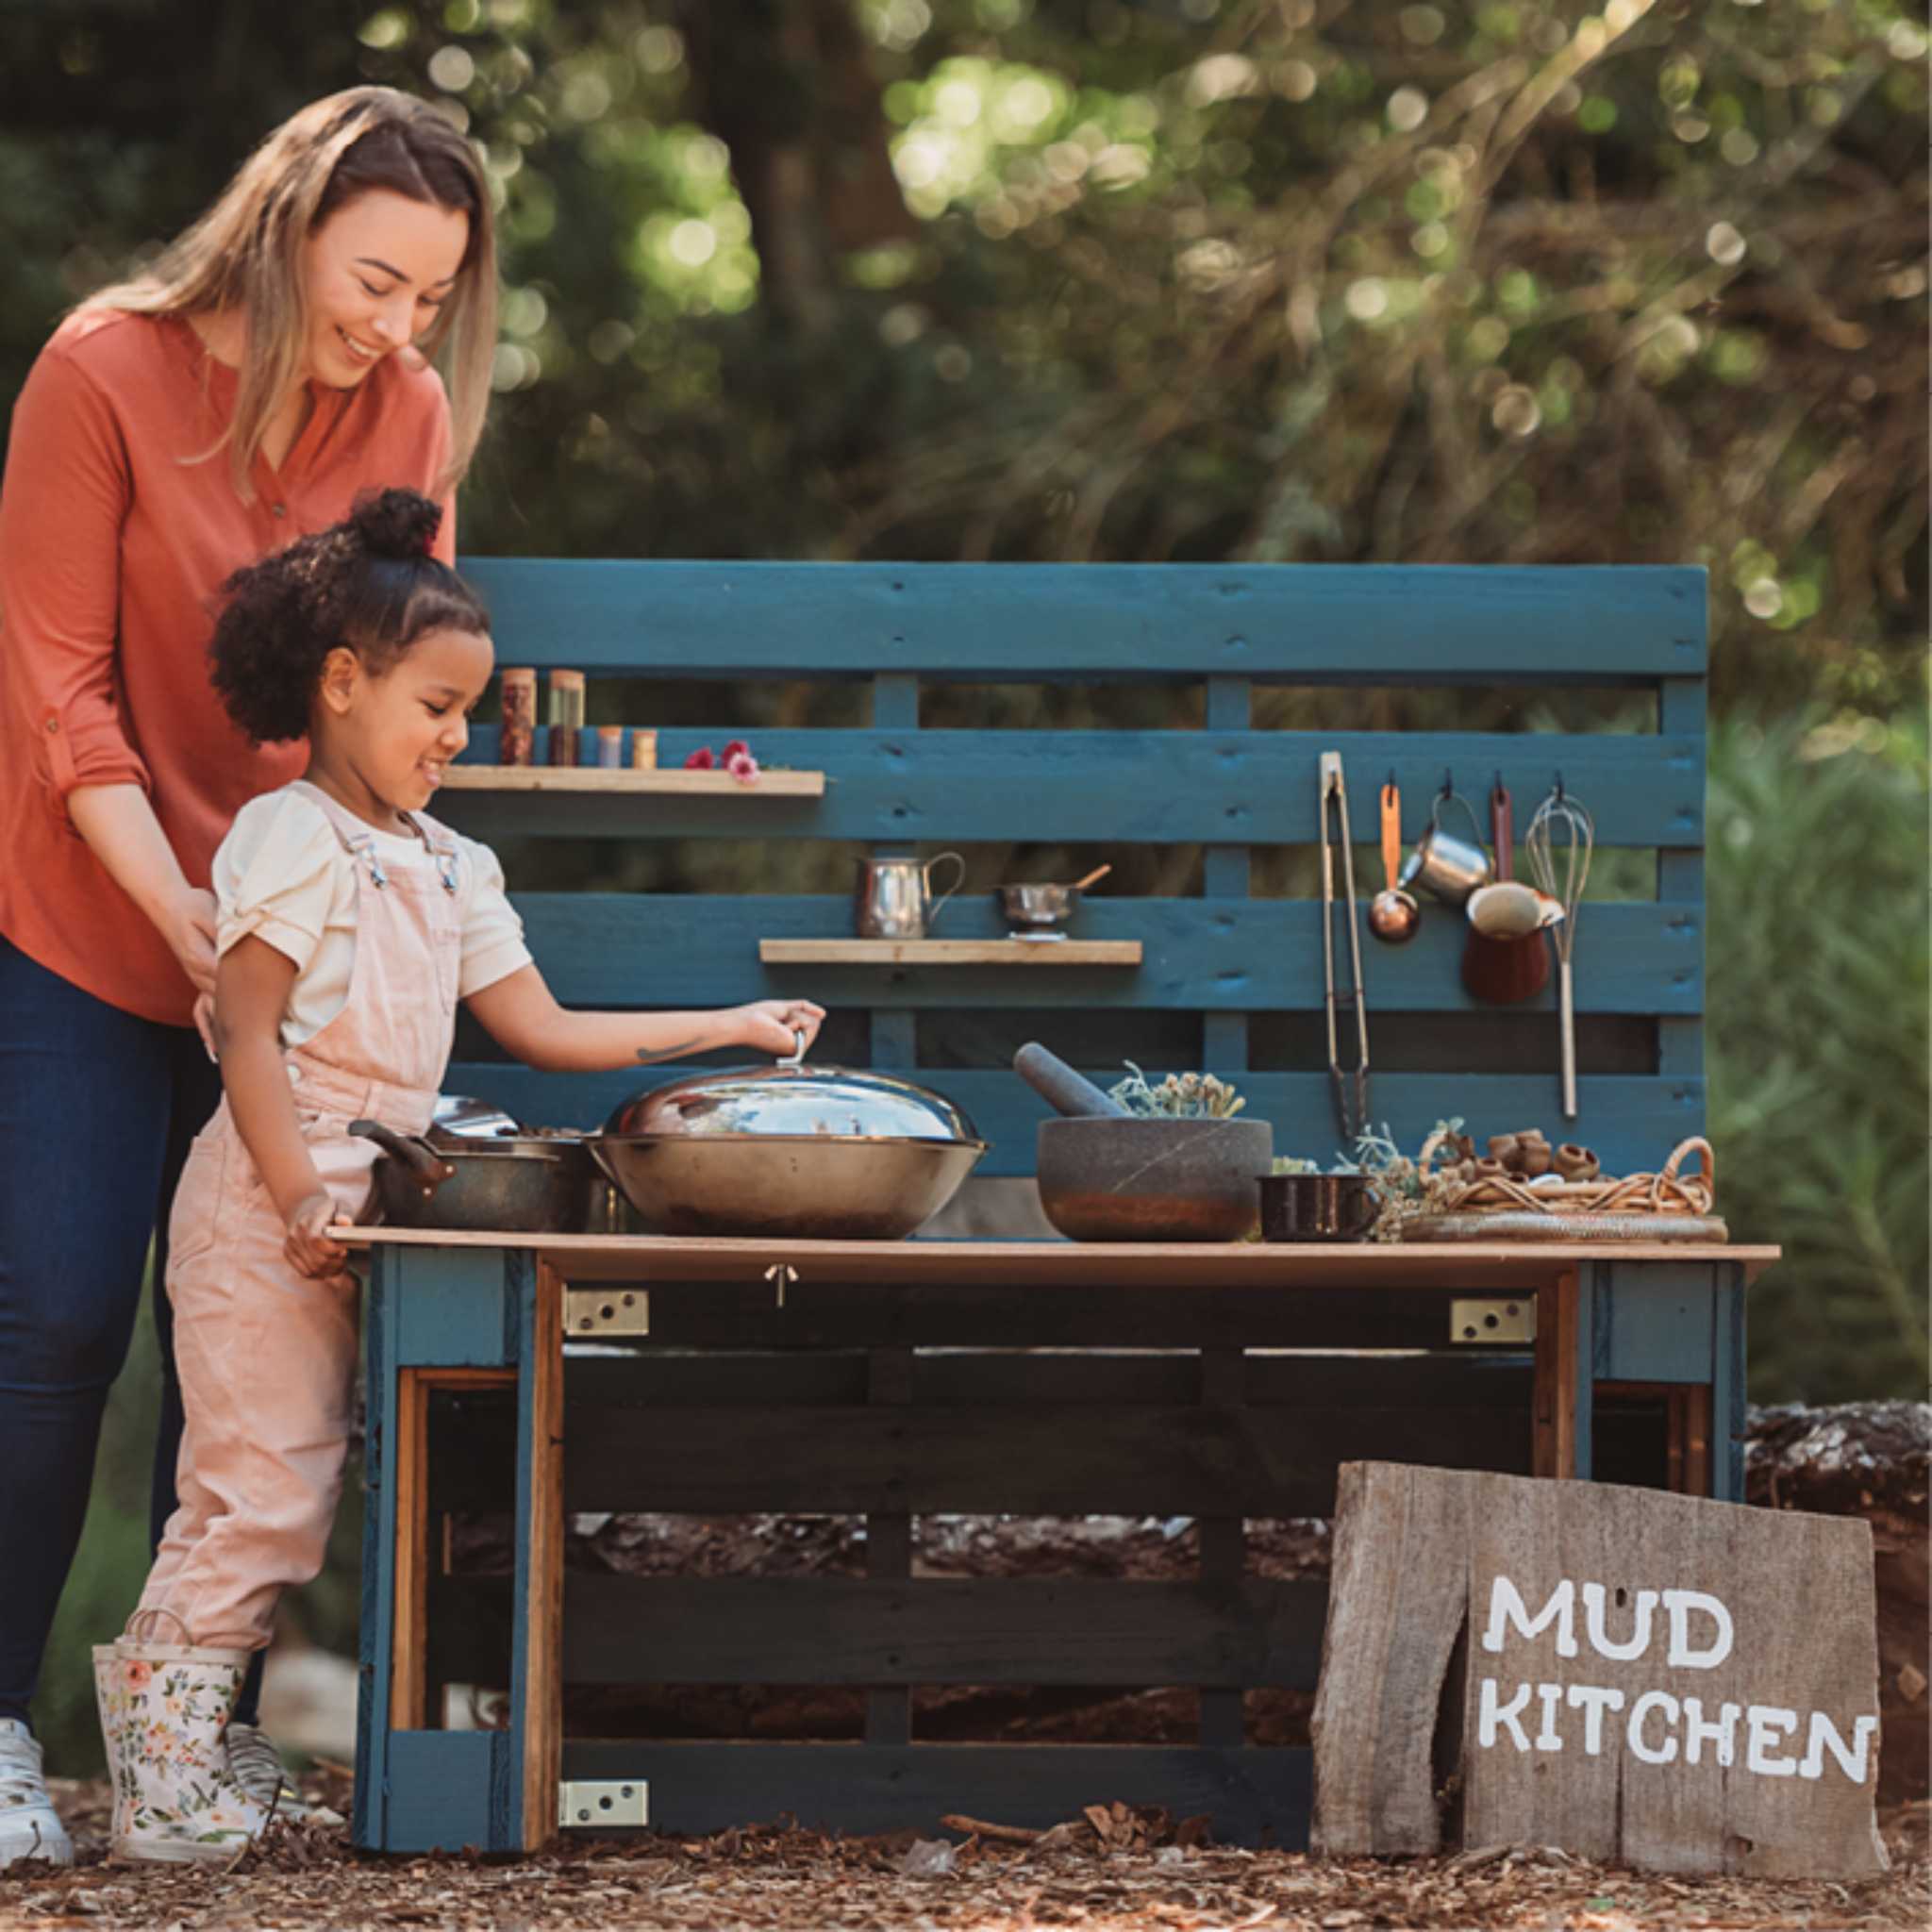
x=1099, y=871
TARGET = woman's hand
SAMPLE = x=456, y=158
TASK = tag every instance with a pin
x=772, y=1025
x=308, y=1248
x=187, y=924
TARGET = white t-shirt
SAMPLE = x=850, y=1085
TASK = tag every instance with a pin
x=283, y=874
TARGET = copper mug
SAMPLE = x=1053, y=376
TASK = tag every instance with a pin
x=893, y=899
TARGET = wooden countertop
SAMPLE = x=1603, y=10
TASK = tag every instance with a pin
x=1460, y=1265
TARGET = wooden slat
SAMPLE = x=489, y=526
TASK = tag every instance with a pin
x=1631, y=1120
x=1403, y=625
x=1252, y=1796
x=661, y=1377
x=942, y=1630
x=1115, y=787
x=995, y=951
x=472, y=775
x=1099, y=1460
x=1059, y=1265
x=890, y=1385
x=536, y=1682
x=632, y=949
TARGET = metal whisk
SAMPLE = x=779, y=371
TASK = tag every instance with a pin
x=1355, y=1118
x=1557, y=847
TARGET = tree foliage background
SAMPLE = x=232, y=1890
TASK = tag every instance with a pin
x=1524, y=281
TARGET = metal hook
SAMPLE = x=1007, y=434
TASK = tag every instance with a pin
x=1448, y=781
x=1560, y=787
x=782, y=1272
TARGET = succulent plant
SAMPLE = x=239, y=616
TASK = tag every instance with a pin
x=1180, y=1096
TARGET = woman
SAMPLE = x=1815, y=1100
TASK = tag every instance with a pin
x=275, y=363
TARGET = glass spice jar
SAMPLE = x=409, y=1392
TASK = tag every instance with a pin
x=519, y=732
x=566, y=715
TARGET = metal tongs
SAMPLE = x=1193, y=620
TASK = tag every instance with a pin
x=1333, y=787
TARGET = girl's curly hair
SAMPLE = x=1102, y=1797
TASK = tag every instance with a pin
x=368, y=583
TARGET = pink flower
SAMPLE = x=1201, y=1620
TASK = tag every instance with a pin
x=744, y=767
x=700, y=760
x=736, y=749
x=137, y=1674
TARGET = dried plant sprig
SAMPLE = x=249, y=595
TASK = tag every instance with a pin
x=1179, y=1097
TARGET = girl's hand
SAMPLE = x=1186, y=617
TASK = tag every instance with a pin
x=308, y=1248
x=772, y=1025
x=189, y=927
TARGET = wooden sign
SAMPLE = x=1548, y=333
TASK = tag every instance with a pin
x=1639, y=1677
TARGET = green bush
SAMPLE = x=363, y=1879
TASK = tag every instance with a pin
x=1817, y=1040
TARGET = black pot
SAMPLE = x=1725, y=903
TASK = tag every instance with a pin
x=530, y=1184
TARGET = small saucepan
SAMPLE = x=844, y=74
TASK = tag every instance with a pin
x=1039, y=911
x=507, y=1182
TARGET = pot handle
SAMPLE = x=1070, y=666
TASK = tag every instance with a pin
x=422, y=1160
x=594, y=1145
x=927, y=872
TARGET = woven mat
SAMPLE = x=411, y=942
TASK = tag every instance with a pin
x=1521, y=1226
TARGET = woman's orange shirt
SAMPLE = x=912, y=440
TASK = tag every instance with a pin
x=117, y=530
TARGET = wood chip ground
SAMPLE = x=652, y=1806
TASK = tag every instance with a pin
x=1112, y=1868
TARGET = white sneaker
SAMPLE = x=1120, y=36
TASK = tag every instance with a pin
x=256, y=1765
x=29, y=1827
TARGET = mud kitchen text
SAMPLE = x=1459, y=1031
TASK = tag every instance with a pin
x=1694, y=1632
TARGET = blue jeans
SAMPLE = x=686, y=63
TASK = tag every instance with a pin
x=97, y=1108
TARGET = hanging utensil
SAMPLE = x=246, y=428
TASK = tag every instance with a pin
x=1559, y=845
x=1334, y=789
x=1504, y=962
x=1445, y=867
x=1394, y=914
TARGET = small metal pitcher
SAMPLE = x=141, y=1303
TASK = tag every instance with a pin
x=893, y=899
x=1445, y=867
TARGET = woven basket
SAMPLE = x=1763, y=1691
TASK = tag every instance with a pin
x=1665, y=1205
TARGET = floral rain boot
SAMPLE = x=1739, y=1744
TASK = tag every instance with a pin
x=164, y=1710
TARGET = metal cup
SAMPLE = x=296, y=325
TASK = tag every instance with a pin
x=1445, y=867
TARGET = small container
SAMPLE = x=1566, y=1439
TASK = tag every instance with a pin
x=644, y=751
x=610, y=747
x=519, y=716
x=566, y=715
x=1317, y=1206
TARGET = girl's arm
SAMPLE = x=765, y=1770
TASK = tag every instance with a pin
x=520, y=1013
x=251, y=995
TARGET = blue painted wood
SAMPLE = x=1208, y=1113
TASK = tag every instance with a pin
x=1652, y=1321
x=521, y=1277
x=1682, y=707
x=1227, y=875
x=450, y=1790
x=1253, y=1795
x=1632, y=1121
x=1115, y=787
x=1303, y=624
x=1728, y=1398
x=454, y=1307
x=1590, y=1294
x=1215, y=956
x=369, y=1822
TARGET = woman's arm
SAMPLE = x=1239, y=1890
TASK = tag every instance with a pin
x=120, y=826
x=520, y=1013
x=251, y=995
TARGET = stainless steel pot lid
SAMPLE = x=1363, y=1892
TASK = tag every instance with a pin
x=460, y=1114
x=789, y=1098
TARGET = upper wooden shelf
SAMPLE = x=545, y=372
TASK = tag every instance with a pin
x=622, y=778
x=950, y=952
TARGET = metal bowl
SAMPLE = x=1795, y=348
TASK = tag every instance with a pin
x=788, y=1151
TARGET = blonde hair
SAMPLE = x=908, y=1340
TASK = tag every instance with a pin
x=246, y=253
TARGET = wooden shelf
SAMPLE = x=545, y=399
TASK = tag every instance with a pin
x=621, y=778
x=950, y=952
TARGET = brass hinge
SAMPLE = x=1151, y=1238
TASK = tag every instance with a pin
x=1493, y=1320
x=603, y=1801
x=606, y=1311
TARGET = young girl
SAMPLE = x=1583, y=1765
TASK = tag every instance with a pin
x=350, y=926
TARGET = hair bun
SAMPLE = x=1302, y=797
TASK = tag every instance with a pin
x=397, y=524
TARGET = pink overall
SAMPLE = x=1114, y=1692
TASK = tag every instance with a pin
x=267, y=1356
